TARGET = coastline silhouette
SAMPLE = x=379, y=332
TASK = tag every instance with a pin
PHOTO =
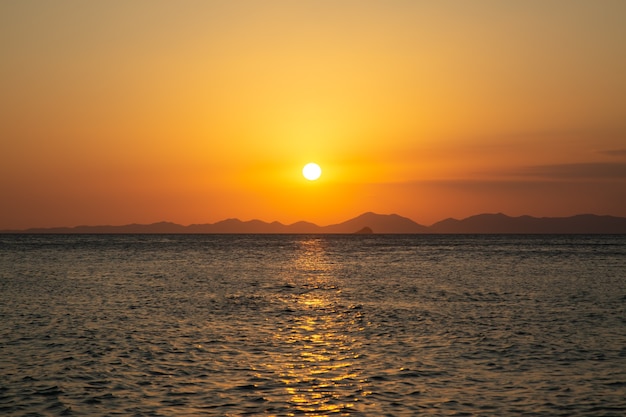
x=368, y=223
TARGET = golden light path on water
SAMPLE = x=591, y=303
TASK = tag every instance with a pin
x=321, y=374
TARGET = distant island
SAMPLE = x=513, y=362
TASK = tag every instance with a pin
x=371, y=223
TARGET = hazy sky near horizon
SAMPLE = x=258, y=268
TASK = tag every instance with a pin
x=115, y=112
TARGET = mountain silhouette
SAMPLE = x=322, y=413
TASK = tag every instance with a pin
x=370, y=222
x=379, y=223
x=501, y=223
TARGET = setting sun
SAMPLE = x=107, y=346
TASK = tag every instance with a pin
x=311, y=171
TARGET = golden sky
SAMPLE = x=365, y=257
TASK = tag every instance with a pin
x=115, y=112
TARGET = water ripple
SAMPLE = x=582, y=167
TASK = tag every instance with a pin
x=310, y=325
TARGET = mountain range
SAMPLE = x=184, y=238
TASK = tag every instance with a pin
x=368, y=223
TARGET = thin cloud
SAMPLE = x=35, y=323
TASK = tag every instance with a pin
x=565, y=134
x=615, y=152
x=589, y=170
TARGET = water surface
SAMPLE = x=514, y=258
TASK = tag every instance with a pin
x=166, y=325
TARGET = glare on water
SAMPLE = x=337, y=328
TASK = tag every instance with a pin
x=320, y=366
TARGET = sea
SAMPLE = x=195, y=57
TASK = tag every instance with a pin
x=312, y=325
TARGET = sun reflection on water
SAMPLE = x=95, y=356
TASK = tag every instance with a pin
x=321, y=374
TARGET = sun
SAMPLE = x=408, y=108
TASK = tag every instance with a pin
x=311, y=171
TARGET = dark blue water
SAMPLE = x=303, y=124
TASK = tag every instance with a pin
x=150, y=325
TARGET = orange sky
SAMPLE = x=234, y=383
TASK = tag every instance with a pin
x=120, y=112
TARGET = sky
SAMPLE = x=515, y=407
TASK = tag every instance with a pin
x=117, y=112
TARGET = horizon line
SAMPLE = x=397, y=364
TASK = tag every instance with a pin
x=306, y=221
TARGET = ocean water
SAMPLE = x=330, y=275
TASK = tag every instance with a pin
x=210, y=325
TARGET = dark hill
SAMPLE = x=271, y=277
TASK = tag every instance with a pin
x=380, y=223
x=500, y=223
